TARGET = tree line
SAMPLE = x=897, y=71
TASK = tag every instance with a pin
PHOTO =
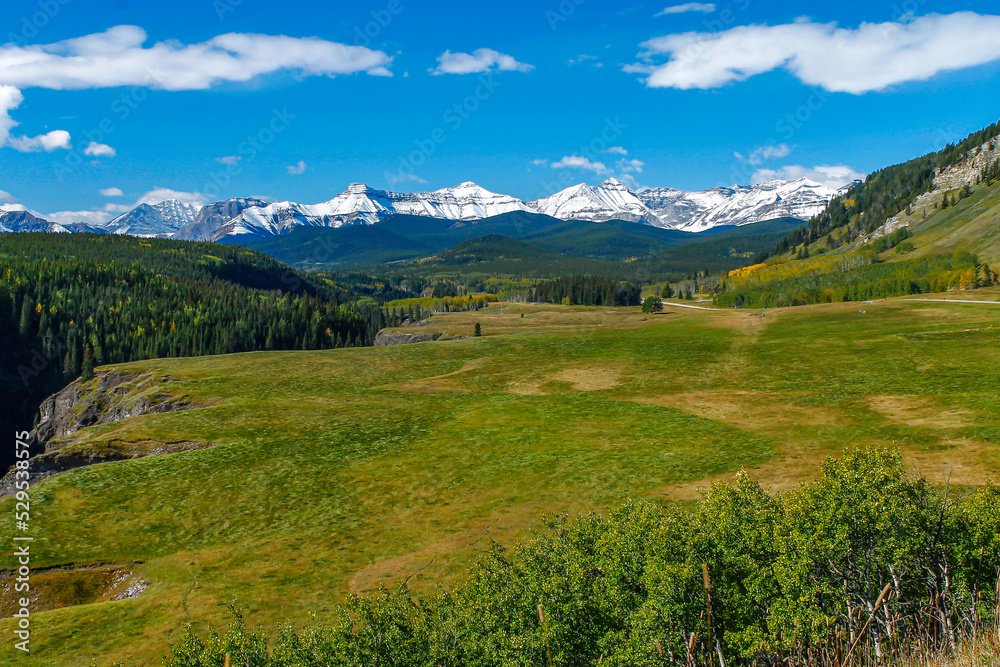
x=934, y=273
x=69, y=303
x=586, y=291
x=864, y=565
x=886, y=193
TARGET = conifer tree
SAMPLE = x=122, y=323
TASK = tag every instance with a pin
x=87, y=367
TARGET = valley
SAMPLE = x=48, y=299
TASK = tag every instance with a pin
x=337, y=471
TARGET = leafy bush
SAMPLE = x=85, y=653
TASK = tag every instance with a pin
x=865, y=552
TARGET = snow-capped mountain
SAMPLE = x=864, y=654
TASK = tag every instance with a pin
x=610, y=200
x=737, y=205
x=688, y=211
x=162, y=220
x=360, y=204
x=468, y=202
x=25, y=221
x=212, y=217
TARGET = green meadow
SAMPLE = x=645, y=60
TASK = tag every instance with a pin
x=331, y=472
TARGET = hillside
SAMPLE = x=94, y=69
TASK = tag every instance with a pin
x=639, y=249
x=497, y=254
x=926, y=225
x=69, y=302
x=349, y=246
x=864, y=210
x=315, y=473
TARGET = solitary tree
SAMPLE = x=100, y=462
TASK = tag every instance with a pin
x=87, y=370
x=652, y=304
x=478, y=331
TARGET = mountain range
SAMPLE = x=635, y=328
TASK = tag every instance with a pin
x=665, y=208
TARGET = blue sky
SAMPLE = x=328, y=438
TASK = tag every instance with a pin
x=577, y=91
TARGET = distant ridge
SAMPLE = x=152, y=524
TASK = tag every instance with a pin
x=468, y=203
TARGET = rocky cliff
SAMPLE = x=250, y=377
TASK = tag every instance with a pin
x=107, y=398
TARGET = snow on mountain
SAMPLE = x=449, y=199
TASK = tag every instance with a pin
x=737, y=205
x=213, y=217
x=160, y=220
x=610, y=200
x=360, y=204
x=466, y=201
x=688, y=211
x=357, y=204
x=24, y=221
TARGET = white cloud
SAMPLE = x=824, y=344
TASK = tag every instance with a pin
x=762, y=153
x=539, y=163
x=55, y=140
x=408, y=177
x=228, y=160
x=617, y=150
x=7, y=198
x=95, y=149
x=708, y=8
x=629, y=166
x=296, y=169
x=868, y=58
x=10, y=99
x=110, y=211
x=157, y=195
x=480, y=60
x=833, y=176
x=97, y=217
x=117, y=57
x=578, y=162
x=583, y=58
x=628, y=180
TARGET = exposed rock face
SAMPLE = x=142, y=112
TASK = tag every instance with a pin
x=110, y=397
x=215, y=215
x=385, y=338
x=947, y=180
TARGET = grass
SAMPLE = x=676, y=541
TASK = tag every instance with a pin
x=969, y=225
x=338, y=471
x=981, y=652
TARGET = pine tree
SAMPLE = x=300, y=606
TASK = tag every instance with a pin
x=26, y=316
x=87, y=367
x=478, y=330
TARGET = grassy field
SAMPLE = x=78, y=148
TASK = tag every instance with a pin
x=341, y=470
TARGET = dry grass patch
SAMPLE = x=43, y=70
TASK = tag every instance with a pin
x=922, y=411
x=763, y=412
x=438, y=384
x=589, y=379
